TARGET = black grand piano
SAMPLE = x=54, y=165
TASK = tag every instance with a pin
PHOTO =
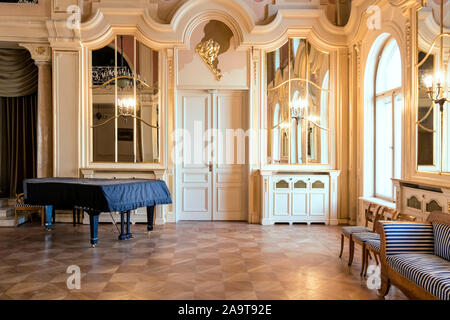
x=95, y=196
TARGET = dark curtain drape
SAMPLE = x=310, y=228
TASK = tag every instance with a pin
x=18, y=111
x=19, y=142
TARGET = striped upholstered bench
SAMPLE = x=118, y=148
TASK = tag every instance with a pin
x=415, y=257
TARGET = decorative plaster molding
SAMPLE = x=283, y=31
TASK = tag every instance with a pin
x=357, y=48
x=408, y=37
x=108, y=19
x=40, y=53
x=255, y=59
x=170, y=63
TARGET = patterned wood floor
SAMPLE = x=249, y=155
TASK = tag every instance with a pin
x=187, y=260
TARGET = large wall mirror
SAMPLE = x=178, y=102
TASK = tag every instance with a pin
x=125, y=102
x=433, y=79
x=297, y=112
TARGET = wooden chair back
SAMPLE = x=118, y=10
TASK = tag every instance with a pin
x=371, y=214
x=19, y=198
x=388, y=214
x=385, y=214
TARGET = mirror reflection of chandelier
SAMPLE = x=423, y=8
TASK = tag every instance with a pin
x=436, y=84
x=298, y=109
x=126, y=106
x=126, y=82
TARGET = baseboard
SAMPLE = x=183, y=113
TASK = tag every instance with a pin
x=334, y=222
x=346, y=221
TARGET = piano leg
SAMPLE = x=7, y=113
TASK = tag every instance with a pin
x=122, y=235
x=48, y=217
x=129, y=235
x=93, y=223
x=150, y=212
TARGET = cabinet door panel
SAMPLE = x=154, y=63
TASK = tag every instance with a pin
x=299, y=204
x=281, y=204
x=318, y=204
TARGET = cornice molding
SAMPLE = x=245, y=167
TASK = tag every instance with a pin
x=23, y=29
x=108, y=20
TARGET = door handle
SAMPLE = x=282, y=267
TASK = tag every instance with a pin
x=210, y=167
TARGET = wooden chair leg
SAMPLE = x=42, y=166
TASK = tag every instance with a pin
x=16, y=219
x=367, y=261
x=364, y=257
x=385, y=286
x=342, y=245
x=352, y=251
x=42, y=215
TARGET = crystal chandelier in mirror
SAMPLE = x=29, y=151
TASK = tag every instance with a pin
x=433, y=87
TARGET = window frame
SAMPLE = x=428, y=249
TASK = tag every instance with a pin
x=393, y=93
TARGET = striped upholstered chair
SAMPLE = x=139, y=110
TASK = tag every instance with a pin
x=348, y=231
x=373, y=245
x=415, y=257
x=362, y=238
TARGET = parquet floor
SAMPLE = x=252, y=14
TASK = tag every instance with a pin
x=187, y=260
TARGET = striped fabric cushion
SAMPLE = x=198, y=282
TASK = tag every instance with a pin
x=373, y=244
x=428, y=271
x=354, y=229
x=441, y=240
x=408, y=238
x=366, y=236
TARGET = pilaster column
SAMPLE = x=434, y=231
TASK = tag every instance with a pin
x=41, y=54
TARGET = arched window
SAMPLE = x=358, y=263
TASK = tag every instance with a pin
x=384, y=112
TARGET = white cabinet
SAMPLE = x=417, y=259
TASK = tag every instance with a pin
x=303, y=198
x=419, y=199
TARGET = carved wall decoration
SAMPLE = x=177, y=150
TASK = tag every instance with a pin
x=170, y=65
x=39, y=53
x=208, y=51
x=408, y=39
x=215, y=42
x=357, y=48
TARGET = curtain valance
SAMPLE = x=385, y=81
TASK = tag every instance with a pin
x=18, y=73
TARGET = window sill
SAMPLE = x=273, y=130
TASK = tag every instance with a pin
x=379, y=201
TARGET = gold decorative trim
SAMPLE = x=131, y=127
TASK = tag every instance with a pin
x=442, y=35
x=123, y=115
x=298, y=79
x=209, y=51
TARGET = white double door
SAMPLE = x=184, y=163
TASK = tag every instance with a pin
x=213, y=155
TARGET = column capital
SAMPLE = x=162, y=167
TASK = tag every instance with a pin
x=40, y=53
